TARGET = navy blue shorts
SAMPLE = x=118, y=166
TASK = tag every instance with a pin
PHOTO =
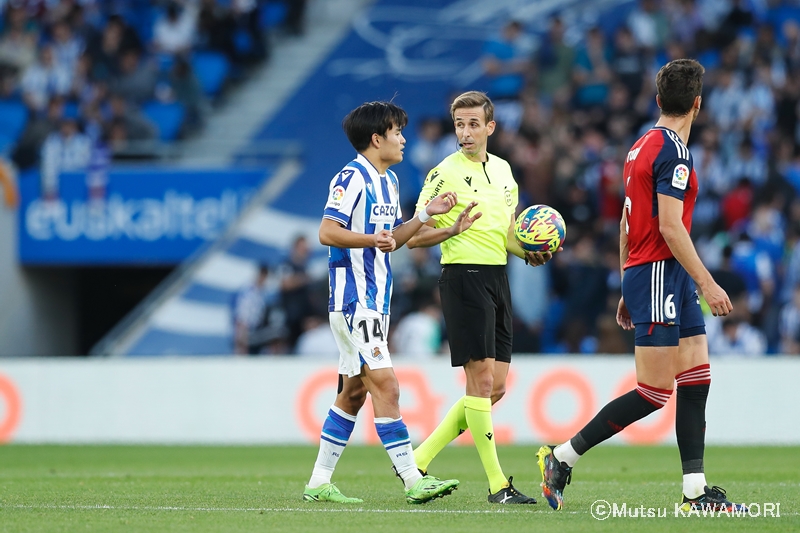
x=663, y=302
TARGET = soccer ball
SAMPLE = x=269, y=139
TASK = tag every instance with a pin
x=540, y=228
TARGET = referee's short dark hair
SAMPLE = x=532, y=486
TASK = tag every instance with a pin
x=369, y=118
x=678, y=83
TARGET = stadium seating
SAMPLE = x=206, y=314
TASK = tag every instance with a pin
x=211, y=69
x=167, y=116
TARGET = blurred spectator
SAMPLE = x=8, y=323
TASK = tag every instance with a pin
x=553, y=63
x=758, y=107
x=724, y=105
x=736, y=204
x=429, y=149
x=44, y=79
x=64, y=150
x=175, y=31
x=82, y=89
x=766, y=50
x=791, y=38
x=530, y=298
x=746, y=163
x=586, y=282
x=611, y=337
x=685, y=20
x=649, y=25
x=727, y=278
x=295, y=291
x=130, y=38
x=628, y=63
x=416, y=273
x=733, y=336
x=757, y=270
x=790, y=324
x=28, y=148
x=736, y=18
x=137, y=126
x=792, y=263
x=253, y=47
x=97, y=170
x=592, y=72
x=317, y=339
x=767, y=229
x=136, y=81
x=708, y=164
x=257, y=319
x=17, y=43
x=81, y=28
x=67, y=48
x=216, y=28
x=786, y=108
x=105, y=51
x=186, y=89
x=419, y=333
x=505, y=62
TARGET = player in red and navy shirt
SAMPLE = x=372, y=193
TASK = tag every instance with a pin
x=662, y=275
x=659, y=163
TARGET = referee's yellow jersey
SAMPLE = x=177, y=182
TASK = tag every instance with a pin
x=492, y=185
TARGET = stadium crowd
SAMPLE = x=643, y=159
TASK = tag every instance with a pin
x=83, y=82
x=567, y=114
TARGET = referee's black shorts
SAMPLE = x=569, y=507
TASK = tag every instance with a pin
x=476, y=303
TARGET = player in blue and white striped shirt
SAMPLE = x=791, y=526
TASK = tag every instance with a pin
x=362, y=224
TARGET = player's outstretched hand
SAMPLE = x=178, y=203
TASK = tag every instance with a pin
x=384, y=241
x=536, y=259
x=623, y=316
x=464, y=221
x=442, y=204
x=716, y=298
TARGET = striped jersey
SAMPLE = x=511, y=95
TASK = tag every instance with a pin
x=659, y=163
x=362, y=201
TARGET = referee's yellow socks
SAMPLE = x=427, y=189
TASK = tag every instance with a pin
x=478, y=412
x=453, y=424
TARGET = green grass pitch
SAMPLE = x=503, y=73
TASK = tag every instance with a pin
x=230, y=489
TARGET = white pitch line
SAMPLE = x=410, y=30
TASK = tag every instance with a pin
x=288, y=509
x=252, y=509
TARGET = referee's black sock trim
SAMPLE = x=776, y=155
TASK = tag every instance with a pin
x=613, y=418
x=690, y=426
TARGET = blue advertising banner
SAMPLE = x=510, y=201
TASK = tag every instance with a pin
x=148, y=216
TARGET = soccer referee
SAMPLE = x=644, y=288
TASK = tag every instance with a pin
x=476, y=299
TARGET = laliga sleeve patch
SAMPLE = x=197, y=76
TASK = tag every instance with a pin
x=335, y=200
x=680, y=177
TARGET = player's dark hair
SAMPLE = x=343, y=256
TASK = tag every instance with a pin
x=369, y=118
x=473, y=99
x=678, y=83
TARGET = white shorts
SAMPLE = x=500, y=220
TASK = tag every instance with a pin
x=362, y=340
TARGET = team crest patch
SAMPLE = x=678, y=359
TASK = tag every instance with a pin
x=376, y=353
x=336, y=196
x=680, y=177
